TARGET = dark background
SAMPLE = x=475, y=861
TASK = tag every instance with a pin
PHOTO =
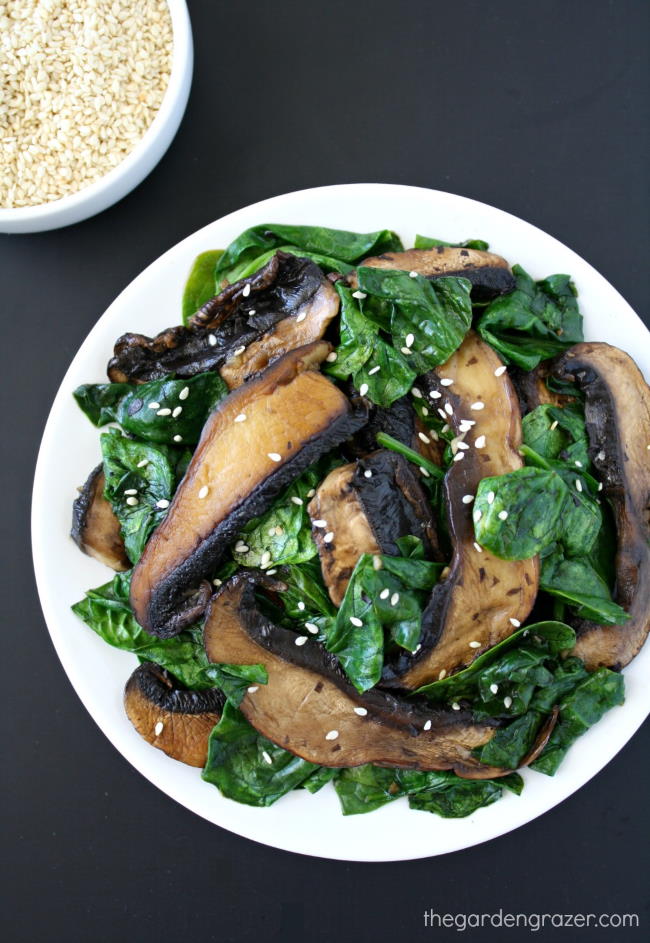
x=539, y=109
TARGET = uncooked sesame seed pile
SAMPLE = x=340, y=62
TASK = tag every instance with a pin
x=82, y=81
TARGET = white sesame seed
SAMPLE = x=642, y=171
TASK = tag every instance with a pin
x=494, y=688
x=427, y=725
x=467, y=498
x=424, y=438
x=164, y=412
x=600, y=486
x=296, y=500
x=413, y=274
x=507, y=702
x=331, y=358
x=554, y=425
x=515, y=622
x=301, y=605
x=425, y=411
x=477, y=405
x=212, y=340
x=311, y=492
x=274, y=456
x=478, y=547
x=442, y=674
x=311, y=628
x=319, y=523
x=435, y=394
x=241, y=547
x=463, y=446
x=424, y=472
x=251, y=311
x=162, y=504
x=408, y=340
x=131, y=491
x=241, y=417
x=145, y=461
x=178, y=438
x=394, y=599
x=271, y=572
x=158, y=729
x=491, y=496
x=301, y=317
x=246, y=290
x=377, y=562
x=265, y=559
x=500, y=371
x=417, y=648
x=374, y=370
x=406, y=351
x=363, y=389
x=446, y=382
x=415, y=391
x=578, y=464
x=266, y=758
x=449, y=409
x=384, y=594
x=442, y=413
x=356, y=621
x=361, y=711
x=184, y=393
x=132, y=502
x=359, y=294
x=578, y=484
x=455, y=706
x=328, y=538
x=367, y=473
x=240, y=350
x=458, y=456
x=502, y=515
x=154, y=406
x=217, y=582
x=253, y=688
x=332, y=735
x=203, y=492
x=601, y=456
x=301, y=640
x=478, y=514
x=480, y=442
x=474, y=644
x=176, y=412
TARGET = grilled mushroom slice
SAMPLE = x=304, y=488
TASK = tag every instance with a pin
x=400, y=421
x=170, y=717
x=309, y=708
x=483, y=598
x=532, y=390
x=489, y=274
x=95, y=528
x=364, y=507
x=617, y=412
x=253, y=322
x=258, y=439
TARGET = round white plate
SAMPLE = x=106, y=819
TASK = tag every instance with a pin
x=300, y=822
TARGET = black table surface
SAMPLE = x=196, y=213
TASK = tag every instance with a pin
x=539, y=109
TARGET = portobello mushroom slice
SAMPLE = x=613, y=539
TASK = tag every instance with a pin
x=483, y=598
x=617, y=413
x=250, y=324
x=309, y=708
x=258, y=439
x=95, y=527
x=400, y=421
x=364, y=507
x=489, y=274
x=532, y=390
x=169, y=716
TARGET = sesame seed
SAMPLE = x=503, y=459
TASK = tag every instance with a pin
x=600, y=486
x=265, y=559
x=251, y=311
x=311, y=492
x=478, y=514
x=480, y=442
x=554, y=425
x=246, y=291
x=296, y=500
x=406, y=351
x=442, y=413
x=578, y=485
x=359, y=294
x=377, y=562
x=427, y=725
x=184, y=393
x=601, y=456
x=477, y=405
x=474, y=644
x=491, y=496
x=301, y=640
x=374, y=370
x=424, y=438
x=158, y=729
x=361, y=711
x=478, y=547
x=463, y=446
x=367, y=473
x=328, y=538
x=241, y=417
x=417, y=648
x=162, y=504
x=240, y=350
x=507, y=702
x=164, y=412
x=424, y=472
x=502, y=515
x=415, y=391
x=217, y=582
x=319, y=523
x=145, y=461
x=331, y=358
x=356, y=621
x=442, y=673
x=435, y=394
x=203, y=492
x=279, y=531
x=212, y=340
x=515, y=622
x=458, y=456
x=578, y=464
x=494, y=688
x=425, y=411
x=253, y=688
x=384, y=594
x=301, y=317
x=271, y=572
x=449, y=409
x=363, y=389
x=176, y=412
x=455, y=706
x=413, y=274
x=408, y=340
x=467, y=498
x=131, y=491
x=178, y=438
x=394, y=599
x=332, y=735
x=500, y=371
x=301, y=605
x=266, y=757
x=154, y=406
x=446, y=382
x=132, y=502
x=241, y=547
x=311, y=628
x=274, y=456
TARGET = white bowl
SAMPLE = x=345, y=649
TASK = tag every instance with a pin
x=137, y=164
x=301, y=822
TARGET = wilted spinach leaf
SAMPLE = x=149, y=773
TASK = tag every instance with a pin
x=558, y=433
x=234, y=680
x=576, y=582
x=535, y=321
x=201, y=283
x=425, y=242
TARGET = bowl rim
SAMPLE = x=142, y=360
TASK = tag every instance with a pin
x=181, y=49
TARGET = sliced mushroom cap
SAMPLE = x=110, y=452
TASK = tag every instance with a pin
x=258, y=439
x=617, y=413
x=309, y=708
x=170, y=717
x=95, y=528
x=489, y=274
x=400, y=421
x=532, y=390
x=364, y=507
x=484, y=598
x=250, y=324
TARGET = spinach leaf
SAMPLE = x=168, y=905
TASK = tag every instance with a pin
x=306, y=595
x=460, y=799
x=247, y=767
x=137, y=407
x=510, y=744
x=578, y=583
x=535, y=321
x=234, y=680
x=357, y=336
x=319, y=778
x=201, y=284
x=558, y=433
x=437, y=313
x=388, y=442
x=580, y=709
x=255, y=263
x=391, y=381
x=425, y=242
x=140, y=482
x=336, y=244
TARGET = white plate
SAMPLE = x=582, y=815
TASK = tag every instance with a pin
x=70, y=448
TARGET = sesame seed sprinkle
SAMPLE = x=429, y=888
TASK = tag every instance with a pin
x=478, y=514
x=158, y=729
x=455, y=706
x=329, y=537
x=494, y=688
x=384, y=594
x=424, y=438
x=301, y=640
x=176, y=412
x=241, y=417
x=178, y=438
x=319, y=523
x=480, y=442
x=296, y=500
x=203, y=492
x=184, y=393
x=458, y=456
x=240, y=350
x=311, y=492
x=442, y=413
x=145, y=461
x=409, y=340
x=301, y=317
x=367, y=473
x=331, y=357
x=356, y=621
x=406, y=351
x=601, y=455
x=394, y=599
x=425, y=411
x=363, y=389
x=463, y=446
x=271, y=572
x=474, y=644
x=154, y=405
x=478, y=547
x=162, y=504
x=449, y=409
x=491, y=496
x=301, y=605
x=413, y=274
x=554, y=424
x=578, y=485
x=374, y=370
x=359, y=294
x=361, y=711
x=600, y=486
x=212, y=340
x=442, y=673
x=427, y=725
x=253, y=688
x=217, y=582
x=467, y=498
x=132, y=502
x=311, y=627
x=424, y=472
x=246, y=291
x=446, y=381
x=515, y=622
x=164, y=412
x=265, y=559
x=332, y=735
x=377, y=562
x=507, y=702
x=415, y=391
x=578, y=464
x=131, y=491
x=477, y=405
x=435, y=394
x=266, y=757
x=500, y=371
x=274, y=456
x=503, y=515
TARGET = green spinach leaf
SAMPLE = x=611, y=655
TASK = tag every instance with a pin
x=234, y=680
x=201, y=284
x=425, y=242
x=578, y=583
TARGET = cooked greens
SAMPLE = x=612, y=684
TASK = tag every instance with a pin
x=200, y=285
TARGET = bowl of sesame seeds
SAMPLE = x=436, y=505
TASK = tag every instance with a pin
x=93, y=94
